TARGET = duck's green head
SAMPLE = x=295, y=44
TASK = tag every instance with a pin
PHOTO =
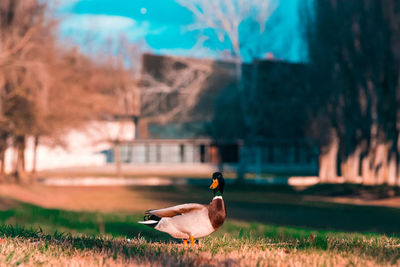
x=218, y=183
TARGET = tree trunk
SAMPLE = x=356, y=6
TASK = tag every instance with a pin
x=350, y=167
x=392, y=171
x=20, y=173
x=34, y=160
x=328, y=160
x=367, y=168
x=381, y=164
x=397, y=181
x=375, y=166
x=366, y=172
x=3, y=164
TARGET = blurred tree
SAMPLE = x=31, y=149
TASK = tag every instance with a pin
x=46, y=89
x=82, y=90
x=242, y=25
x=25, y=37
x=355, y=72
x=171, y=88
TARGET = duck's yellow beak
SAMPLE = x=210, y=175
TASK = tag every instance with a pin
x=214, y=184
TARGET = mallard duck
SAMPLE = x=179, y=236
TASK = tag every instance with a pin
x=190, y=221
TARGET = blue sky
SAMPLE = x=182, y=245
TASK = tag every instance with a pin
x=161, y=26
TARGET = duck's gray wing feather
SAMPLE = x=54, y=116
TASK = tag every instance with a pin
x=176, y=210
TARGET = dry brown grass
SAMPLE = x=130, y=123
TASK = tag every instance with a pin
x=139, y=252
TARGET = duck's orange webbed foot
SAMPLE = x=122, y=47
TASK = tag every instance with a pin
x=192, y=242
x=185, y=242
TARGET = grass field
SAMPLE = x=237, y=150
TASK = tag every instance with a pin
x=266, y=226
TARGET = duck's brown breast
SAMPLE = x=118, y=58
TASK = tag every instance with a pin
x=217, y=212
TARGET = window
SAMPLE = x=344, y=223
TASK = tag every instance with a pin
x=182, y=152
x=202, y=153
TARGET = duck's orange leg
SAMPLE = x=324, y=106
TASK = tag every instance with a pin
x=192, y=240
x=185, y=243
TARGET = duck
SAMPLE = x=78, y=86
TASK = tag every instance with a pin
x=191, y=221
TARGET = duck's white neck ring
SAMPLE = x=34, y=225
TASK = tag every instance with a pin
x=217, y=197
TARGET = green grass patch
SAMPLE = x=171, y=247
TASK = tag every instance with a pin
x=90, y=231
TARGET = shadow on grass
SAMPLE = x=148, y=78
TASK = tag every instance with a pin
x=91, y=223
x=140, y=249
x=321, y=216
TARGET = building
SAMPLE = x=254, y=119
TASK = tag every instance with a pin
x=190, y=115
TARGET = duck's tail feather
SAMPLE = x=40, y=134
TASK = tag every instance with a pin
x=150, y=220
